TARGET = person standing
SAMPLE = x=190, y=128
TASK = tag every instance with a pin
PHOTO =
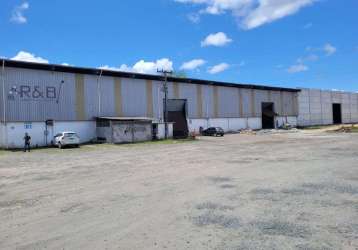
x=27, y=140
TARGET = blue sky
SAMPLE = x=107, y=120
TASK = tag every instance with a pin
x=290, y=43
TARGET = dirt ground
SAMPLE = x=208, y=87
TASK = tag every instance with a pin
x=296, y=190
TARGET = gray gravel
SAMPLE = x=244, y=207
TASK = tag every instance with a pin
x=267, y=191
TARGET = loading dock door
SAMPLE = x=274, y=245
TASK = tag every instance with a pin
x=337, y=113
x=177, y=115
x=268, y=115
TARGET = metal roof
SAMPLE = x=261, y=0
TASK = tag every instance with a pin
x=105, y=72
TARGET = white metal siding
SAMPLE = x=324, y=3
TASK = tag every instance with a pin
x=134, y=97
x=188, y=92
x=39, y=109
x=228, y=102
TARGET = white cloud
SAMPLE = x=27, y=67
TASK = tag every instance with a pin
x=28, y=57
x=18, y=13
x=123, y=68
x=107, y=67
x=271, y=10
x=297, y=68
x=143, y=67
x=194, y=17
x=329, y=49
x=301, y=62
x=309, y=58
x=67, y=64
x=251, y=13
x=193, y=64
x=218, y=39
x=218, y=68
x=152, y=67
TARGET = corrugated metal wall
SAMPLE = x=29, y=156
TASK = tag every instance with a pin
x=77, y=98
x=102, y=104
x=134, y=97
x=228, y=102
x=30, y=97
x=1, y=99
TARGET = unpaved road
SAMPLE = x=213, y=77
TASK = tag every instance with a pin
x=266, y=191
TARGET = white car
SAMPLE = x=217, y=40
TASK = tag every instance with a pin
x=66, y=139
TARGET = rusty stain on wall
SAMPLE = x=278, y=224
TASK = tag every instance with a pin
x=118, y=96
x=80, y=97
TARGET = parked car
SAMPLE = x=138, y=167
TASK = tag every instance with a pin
x=66, y=139
x=213, y=131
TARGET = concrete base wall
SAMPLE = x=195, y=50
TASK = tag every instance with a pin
x=2, y=135
x=11, y=135
x=281, y=120
x=161, y=131
x=85, y=129
x=15, y=131
x=228, y=124
x=236, y=124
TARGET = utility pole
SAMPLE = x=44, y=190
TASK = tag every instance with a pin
x=165, y=89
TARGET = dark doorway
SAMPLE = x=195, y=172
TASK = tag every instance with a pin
x=268, y=115
x=337, y=113
x=177, y=115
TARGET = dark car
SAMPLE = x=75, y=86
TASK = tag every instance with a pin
x=213, y=131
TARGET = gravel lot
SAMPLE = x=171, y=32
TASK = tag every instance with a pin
x=266, y=191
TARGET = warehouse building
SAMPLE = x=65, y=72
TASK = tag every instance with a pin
x=44, y=99
x=323, y=107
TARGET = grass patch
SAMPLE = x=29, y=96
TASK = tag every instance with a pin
x=335, y=128
x=93, y=147
x=315, y=127
x=347, y=129
x=160, y=142
x=2, y=152
x=108, y=146
x=354, y=130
